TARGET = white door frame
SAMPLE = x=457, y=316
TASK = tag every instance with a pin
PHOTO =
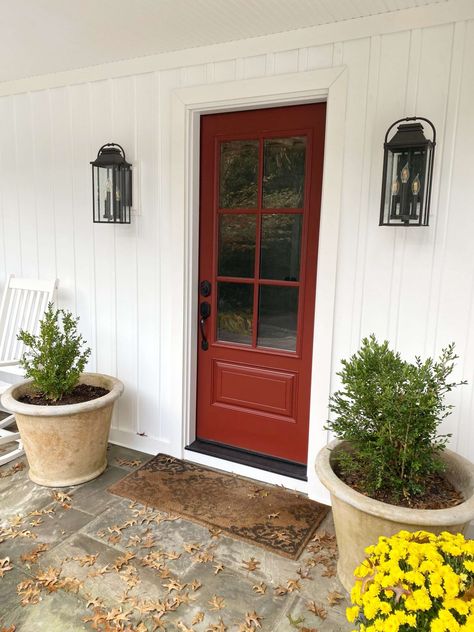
x=188, y=104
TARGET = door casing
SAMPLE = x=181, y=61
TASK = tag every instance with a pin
x=188, y=104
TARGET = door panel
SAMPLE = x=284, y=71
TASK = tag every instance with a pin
x=261, y=173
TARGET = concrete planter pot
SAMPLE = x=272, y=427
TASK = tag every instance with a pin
x=65, y=445
x=359, y=520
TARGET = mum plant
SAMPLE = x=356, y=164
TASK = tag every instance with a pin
x=415, y=581
x=389, y=411
x=55, y=358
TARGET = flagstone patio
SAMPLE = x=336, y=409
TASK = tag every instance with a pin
x=80, y=558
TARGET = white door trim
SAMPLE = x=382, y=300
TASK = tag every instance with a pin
x=187, y=105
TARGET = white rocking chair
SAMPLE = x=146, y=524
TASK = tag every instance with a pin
x=23, y=305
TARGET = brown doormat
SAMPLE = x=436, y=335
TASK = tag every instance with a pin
x=270, y=516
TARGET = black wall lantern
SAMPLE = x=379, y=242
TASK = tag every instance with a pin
x=111, y=186
x=407, y=174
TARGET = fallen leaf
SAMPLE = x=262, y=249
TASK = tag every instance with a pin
x=49, y=578
x=217, y=603
x=319, y=611
x=293, y=584
x=63, y=499
x=123, y=560
x=218, y=568
x=304, y=573
x=253, y=619
x=86, y=560
x=173, y=584
x=183, y=627
x=5, y=566
x=334, y=597
x=260, y=588
x=273, y=516
x=280, y=590
x=215, y=532
x=29, y=592
x=198, y=618
x=217, y=627
x=128, y=462
x=251, y=565
x=195, y=585
x=12, y=470
x=192, y=547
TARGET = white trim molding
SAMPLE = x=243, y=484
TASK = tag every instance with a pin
x=188, y=104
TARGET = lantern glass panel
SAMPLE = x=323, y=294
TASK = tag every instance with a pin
x=405, y=185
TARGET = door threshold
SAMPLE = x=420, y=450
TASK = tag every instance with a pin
x=251, y=459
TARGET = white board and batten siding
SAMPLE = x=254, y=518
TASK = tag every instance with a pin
x=414, y=287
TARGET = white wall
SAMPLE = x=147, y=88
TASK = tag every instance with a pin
x=412, y=286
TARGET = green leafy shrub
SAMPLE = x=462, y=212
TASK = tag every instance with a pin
x=55, y=358
x=389, y=411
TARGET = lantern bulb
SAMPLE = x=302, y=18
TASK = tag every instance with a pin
x=405, y=174
x=416, y=185
x=395, y=187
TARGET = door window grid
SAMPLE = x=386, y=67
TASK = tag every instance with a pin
x=230, y=332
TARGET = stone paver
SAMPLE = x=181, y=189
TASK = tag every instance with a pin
x=188, y=572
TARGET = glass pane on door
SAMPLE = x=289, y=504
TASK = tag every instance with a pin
x=237, y=245
x=277, y=317
x=283, y=172
x=238, y=174
x=234, y=312
x=280, y=246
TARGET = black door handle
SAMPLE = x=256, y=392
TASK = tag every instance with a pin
x=205, y=312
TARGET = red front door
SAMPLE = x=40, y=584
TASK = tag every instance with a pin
x=261, y=174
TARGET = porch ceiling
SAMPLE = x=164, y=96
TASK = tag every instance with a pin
x=47, y=36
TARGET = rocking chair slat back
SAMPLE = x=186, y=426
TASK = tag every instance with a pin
x=23, y=304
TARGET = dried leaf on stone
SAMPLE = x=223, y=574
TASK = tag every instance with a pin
x=86, y=560
x=96, y=620
x=217, y=627
x=123, y=560
x=16, y=521
x=319, y=611
x=215, y=532
x=173, y=584
x=203, y=556
x=334, y=597
x=273, y=516
x=70, y=584
x=253, y=619
x=260, y=588
x=49, y=578
x=217, y=603
x=218, y=568
x=280, y=590
x=198, y=618
x=293, y=584
x=251, y=565
x=304, y=573
x=13, y=470
x=100, y=571
x=195, y=585
x=128, y=462
x=183, y=627
x=191, y=547
x=29, y=592
x=5, y=566
x=63, y=499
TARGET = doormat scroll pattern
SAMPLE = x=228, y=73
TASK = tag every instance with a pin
x=269, y=516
